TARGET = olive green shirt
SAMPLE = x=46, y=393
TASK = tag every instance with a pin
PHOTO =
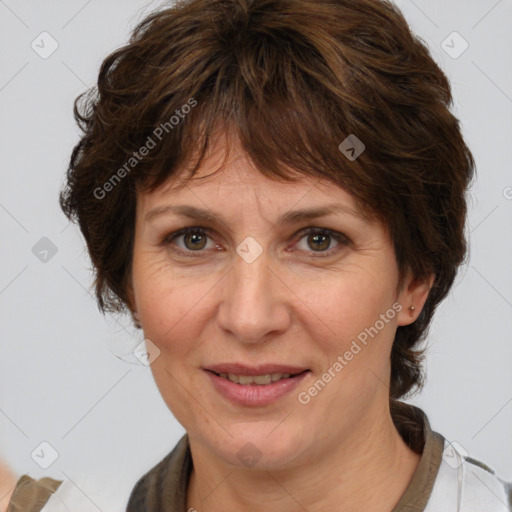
x=31, y=495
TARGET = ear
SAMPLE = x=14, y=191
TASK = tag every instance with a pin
x=414, y=293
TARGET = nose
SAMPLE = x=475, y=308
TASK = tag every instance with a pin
x=255, y=304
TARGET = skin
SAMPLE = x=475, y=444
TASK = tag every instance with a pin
x=289, y=306
x=7, y=484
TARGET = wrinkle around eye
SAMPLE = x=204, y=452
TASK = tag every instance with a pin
x=172, y=240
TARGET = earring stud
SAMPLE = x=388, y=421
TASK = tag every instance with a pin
x=411, y=310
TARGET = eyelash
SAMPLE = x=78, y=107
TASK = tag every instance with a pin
x=342, y=240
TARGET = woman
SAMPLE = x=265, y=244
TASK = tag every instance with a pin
x=275, y=189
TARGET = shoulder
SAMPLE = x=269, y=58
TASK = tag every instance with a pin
x=467, y=484
x=31, y=495
x=88, y=493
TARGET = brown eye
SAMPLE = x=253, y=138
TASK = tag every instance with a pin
x=194, y=240
x=188, y=240
x=319, y=241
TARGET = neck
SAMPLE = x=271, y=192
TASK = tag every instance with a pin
x=368, y=470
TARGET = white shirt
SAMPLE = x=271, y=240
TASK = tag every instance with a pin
x=464, y=484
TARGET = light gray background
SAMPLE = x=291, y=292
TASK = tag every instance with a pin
x=60, y=380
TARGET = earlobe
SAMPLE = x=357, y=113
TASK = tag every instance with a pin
x=413, y=298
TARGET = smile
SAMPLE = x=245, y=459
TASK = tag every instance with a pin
x=255, y=390
x=260, y=380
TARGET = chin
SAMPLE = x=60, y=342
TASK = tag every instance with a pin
x=262, y=446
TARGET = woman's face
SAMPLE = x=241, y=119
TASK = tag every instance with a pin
x=259, y=286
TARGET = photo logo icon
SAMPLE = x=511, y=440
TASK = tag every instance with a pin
x=249, y=249
x=454, y=45
x=146, y=352
x=249, y=455
x=454, y=454
x=44, y=45
x=44, y=250
x=352, y=147
x=44, y=455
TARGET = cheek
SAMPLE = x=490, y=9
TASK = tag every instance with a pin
x=358, y=324
x=348, y=303
x=168, y=303
x=169, y=315
x=356, y=347
x=172, y=313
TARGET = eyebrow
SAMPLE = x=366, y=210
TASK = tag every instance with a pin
x=291, y=217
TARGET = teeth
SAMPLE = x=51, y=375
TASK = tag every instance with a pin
x=260, y=380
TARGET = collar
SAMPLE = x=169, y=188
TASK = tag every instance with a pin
x=164, y=488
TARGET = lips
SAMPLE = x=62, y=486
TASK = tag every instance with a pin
x=255, y=386
x=253, y=394
x=263, y=369
x=260, y=380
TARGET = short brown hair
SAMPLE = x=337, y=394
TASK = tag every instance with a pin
x=291, y=79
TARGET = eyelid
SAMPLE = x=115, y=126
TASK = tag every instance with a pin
x=168, y=239
x=340, y=237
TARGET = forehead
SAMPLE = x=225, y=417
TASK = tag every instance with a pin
x=228, y=179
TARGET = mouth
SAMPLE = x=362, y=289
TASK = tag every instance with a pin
x=255, y=386
x=258, y=380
